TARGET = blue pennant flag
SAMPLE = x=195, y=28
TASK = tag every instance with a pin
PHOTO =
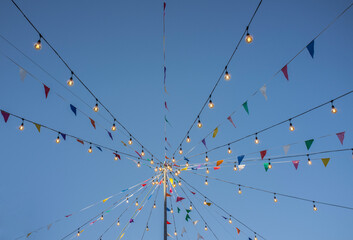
x=310, y=48
x=63, y=135
x=149, y=197
x=110, y=135
x=99, y=148
x=240, y=158
x=73, y=109
x=168, y=209
x=186, y=159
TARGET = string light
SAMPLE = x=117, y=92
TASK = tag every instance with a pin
x=70, y=82
x=21, y=127
x=78, y=232
x=207, y=171
x=152, y=162
x=275, y=198
x=102, y=217
x=173, y=160
x=235, y=167
x=160, y=168
x=179, y=183
x=239, y=190
x=58, y=139
x=116, y=156
x=90, y=149
x=314, y=207
x=180, y=151
x=156, y=169
x=291, y=127
x=113, y=126
x=333, y=109
x=248, y=37
x=206, y=183
x=171, y=210
x=138, y=164
x=210, y=104
x=257, y=141
x=142, y=152
x=187, y=164
x=154, y=205
x=269, y=164
x=204, y=202
x=226, y=75
x=127, y=200
x=175, y=233
x=229, y=150
x=309, y=161
x=188, y=139
x=38, y=44
x=206, y=228
x=130, y=141
x=230, y=219
x=96, y=108
x=118, y=223
x=255, y=238
x=190, y=206
x=174, y=185
x=199, y=124
x=136, y=203
x=206, y=158
x=147, y=229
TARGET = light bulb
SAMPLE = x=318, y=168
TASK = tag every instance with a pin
x=90, y=149
x=179, y=183
x=174, y=185
x=130, y=141
x=239, y=191
x=176, y=173
x=229, y=150
x=96, y=108
x=78, y=233
x=235, y=167
x=57, y=140
x=180, y=151
x=291, y=127
x=210, y=104
x=136, y=203
x=255, y=238
x=175, y=233
x=147, y=229
x=118, y=223
x=206, y=228
x=154, y=205
x=199, y=124
x=315, y=208
x=156, y=169
x=113, y=127
x=116, y=158
x=207, y=171
x=171, y=210
x=275, y=198
x=230, y=220
x=206, y=158
x=257, y=141
x=333, y=109
x=190, y=207
x=142, y=153
x=206, y=183
x=38, y=45
x=188, y=139
x=138, y=164
x=70, y=82
x=152, y=162
x=227, y=76
x=127, y=200
x=309, y=161
x=204, y=202
x=187, y=164
x=102, y=217
x=248, y=38
x=160, y=168
x=173, y=160
x=269, y=166
x=21, y=127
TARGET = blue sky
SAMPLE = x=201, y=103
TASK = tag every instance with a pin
x=116, y=48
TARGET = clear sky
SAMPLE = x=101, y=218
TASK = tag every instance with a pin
x=116, y=48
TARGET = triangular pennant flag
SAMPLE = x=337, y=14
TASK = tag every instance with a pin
x=73, y=109
x=215, y=132
x=117, y=155
x=195, y=222
x=178, y=210
x=263, y=91
x=308, y=143
x=238, y=230
x=341, y=136
x=124, y=143
x=122, y=235
x=166, y=120
x=219, y=162
x=240, y=159
x=110, y=135
x=286, y=149
x=93, y=123
x=68, y=215
x=165, y=105
x=168, y=195
x=143, y=185
x=171, y=180
x=140, y=208
x=63, y=135
x=46, y=90
x=80, y=141
x=187, y=217
x=208, y=204
x=245, y=106
x=186, y=159
x=204, y=142
x=285, y=72
x=231, y=121
x=38, y=126
x=241, y=167
x=49, y=226
x=263, y=154
x=199, y=236
x=99, y=148
x=266, y=166
x=295, y=163
x=104, y=200
x=325, y=161
x=6, y=115
x=310, y=48
x=29, y=234
x=187, y=210
x=216, y=168
x=183, y=231
x=193, y=193
x=170, y=189
x=168, y=222
x=179, y=199
x=23, y=74
x=138, y=154
x=132, y=220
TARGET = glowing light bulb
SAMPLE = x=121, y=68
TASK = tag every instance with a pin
x=333, y=109
x=78, y=233
x=275, y=198
x=190, y=207
x=239, y=191
x=21, y=127
x=257, y=141
x=156, y=169
x=70, y=82
x=188, y=139
x=315, y=208
x=235, y=167
x=230, y=220
x=204, y=202
x=142, y=153
x=154, y=205
x=229, y=150
x=90, y=149
x=138, y=164
x=199, y=124
x=210, y=104
x=207, y=171
x=227, y=76
x=206, y=158
x=136, y=203
x=179, y=183
x=113, y=127
x=116, y=158
x=130, y=141
x=96, y=108
x=175, y=233
x=309, y=161
x=173, y=160
x=269, y=166
x=127, y=200
x=248, y=38
x=206, y=183
x=291, y=127
x=206, y=228
x=38, y=45
x=180, y=151
x=152, y=162
x=102, y=217
x=174, y=185
x=57, y=140
x=118, y=223
x=255, y=238
x=187, y=164
x=160, y=169
x=147, y=229
x=171, y=210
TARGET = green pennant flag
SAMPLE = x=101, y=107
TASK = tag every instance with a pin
x=266, y=166
x=187, y=217
x=166, y=120
x=178, y=210
x=308, y=143
x=187, y=210
x=325, y=161
x=38, y=126
x=245, y=105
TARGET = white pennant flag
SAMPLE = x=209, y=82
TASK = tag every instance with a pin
x=195, y=222
x=23, y=74
x=199, y=236
x=263, y=91
x=286, y=149
x=241, y=167
x=183, y=231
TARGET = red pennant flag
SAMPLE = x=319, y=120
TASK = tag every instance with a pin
x=216, y=168
x=179, y=199
x=6, y=115
x=138, y=154
x=231, y=120
x=165, y=105
x=117, y=155
x=166, y=157
x=176, y=165
x=341, y=136
x=238, y=230
x=160, y=182
x=168, y=222
x=170, y=190
x=80, y=141
x=93, y=123
x=193, y=193
x=285, y=72
x=263, y=154
x=68, y=215
x=46, y=90
x=295, y=163
x=143, y=185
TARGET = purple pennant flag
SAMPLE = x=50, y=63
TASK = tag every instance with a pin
x=165, y=74
x=110, y=135
x=63, y=135
x=204, y=143
x=131, y=220
x=6, y=115
x=341, y=136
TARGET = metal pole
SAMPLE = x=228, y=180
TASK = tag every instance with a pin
x=165, y=204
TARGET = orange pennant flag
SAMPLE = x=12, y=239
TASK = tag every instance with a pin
x=238, y=230
x=208, y=204
x=219, y=162
x=123, y=143
x=168, y=195
x=140, y=208
x=166, y=157
x=93, y=123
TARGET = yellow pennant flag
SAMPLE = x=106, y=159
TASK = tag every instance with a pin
x=123, y=143
x=38, y=126
x=122, y=235
x=184, y=169
x=171, y=180
x=215, y=132
x=82, y=230
x=219, y=162
x=105, y=200
x=325, y=161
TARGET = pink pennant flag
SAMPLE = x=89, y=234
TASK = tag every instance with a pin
x=285, y=72
x=170, y=190
x=179, y=199
x=341, y=136
x=46, y=90
x=295, y=163
x=263, y=154
x=204, y=142
x=6, y=115
x=68, y=215
x=165, y=105
x=93, y=123
x=231, y=120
